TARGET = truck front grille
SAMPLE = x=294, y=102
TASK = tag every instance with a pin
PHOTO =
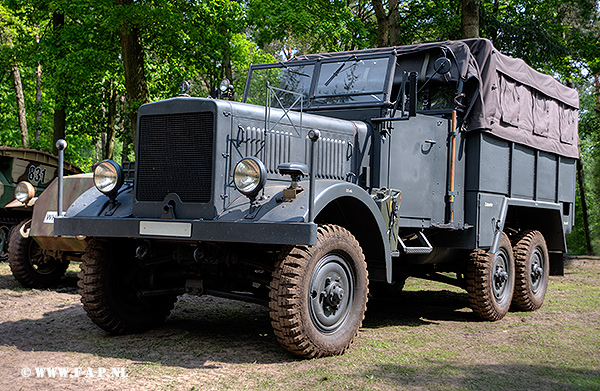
x=175, y=155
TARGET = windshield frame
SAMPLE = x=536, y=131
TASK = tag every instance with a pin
x=281, y=65
x=318, y=63
x=348, y=60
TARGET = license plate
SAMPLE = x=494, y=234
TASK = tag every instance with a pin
x=159, y=228
x=50, y=215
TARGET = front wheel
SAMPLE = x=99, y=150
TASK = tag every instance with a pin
x=29, y=263
x=109, y=282
x=319, y=294
x=491, y=280
x=531, y=264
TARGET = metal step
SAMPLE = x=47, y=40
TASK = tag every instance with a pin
x=426, y=247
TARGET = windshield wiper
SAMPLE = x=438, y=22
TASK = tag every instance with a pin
x=290, y=70
x=337, y=71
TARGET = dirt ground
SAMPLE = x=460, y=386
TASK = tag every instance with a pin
x=48, y=343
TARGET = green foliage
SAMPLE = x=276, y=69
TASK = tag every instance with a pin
x=204, y=41
x=300, y=26
x=429, y=21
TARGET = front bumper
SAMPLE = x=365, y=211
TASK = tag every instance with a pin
x=294, y=233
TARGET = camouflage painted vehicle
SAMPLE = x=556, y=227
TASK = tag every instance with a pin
x=37, y=258
x=32, y=166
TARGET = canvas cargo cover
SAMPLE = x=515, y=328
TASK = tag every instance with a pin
x=522, y=105
x=505, y=96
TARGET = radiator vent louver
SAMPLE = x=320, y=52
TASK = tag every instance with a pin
x=175, y=155
x=275, y=147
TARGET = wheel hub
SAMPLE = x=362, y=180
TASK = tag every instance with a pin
x=500, y=277
x=537, y=270
x=333, y=293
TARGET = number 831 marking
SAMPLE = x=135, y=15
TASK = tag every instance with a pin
x=37, y=174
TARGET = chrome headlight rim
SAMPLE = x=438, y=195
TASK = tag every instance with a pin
x=258, y=181
x=24, y=192
x=108, y=177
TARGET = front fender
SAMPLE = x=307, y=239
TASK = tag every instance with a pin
x=361, y=215
x=93, y=203
x=358, y=212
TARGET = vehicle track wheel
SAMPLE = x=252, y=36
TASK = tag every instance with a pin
x=30, y=265
x=531, y=271
x=491, y=281
x=109, y=282
x=319, y=294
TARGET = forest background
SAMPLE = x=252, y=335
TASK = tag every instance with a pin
x=80, y=69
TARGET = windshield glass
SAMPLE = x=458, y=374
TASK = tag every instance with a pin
x=293, y=80
x=352, y=81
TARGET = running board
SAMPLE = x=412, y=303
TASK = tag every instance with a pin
x=427, y=248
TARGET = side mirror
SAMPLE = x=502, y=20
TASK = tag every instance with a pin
x=442, y=65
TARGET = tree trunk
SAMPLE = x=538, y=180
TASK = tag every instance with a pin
x=109, y=148
x=597, y=93
x=60, y=116
x=394, y=23
x=494, y=31
x=133, y=64
x=38, y=98
x=38, y=103
x=228, y=72
x=382, y=23
x=469, y=21
x=584, y=209
x=14, y=70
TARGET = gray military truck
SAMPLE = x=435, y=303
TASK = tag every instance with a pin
x=338, y=172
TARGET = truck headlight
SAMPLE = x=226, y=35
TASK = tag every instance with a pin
x=249, y=176
x=24, y=192
x=108, y=177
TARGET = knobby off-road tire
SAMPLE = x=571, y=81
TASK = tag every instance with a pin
x=28, y=263
x=319, y=293
x=108, y=285
x=531, y=271
x=4, y=239
x=491, y=281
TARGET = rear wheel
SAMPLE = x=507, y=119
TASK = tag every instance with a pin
x=319, y=294
x=109, y=282
x=30, y=264
x=491, y=281
x=532, y=269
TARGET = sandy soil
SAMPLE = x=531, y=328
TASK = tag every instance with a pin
x=207, y=343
